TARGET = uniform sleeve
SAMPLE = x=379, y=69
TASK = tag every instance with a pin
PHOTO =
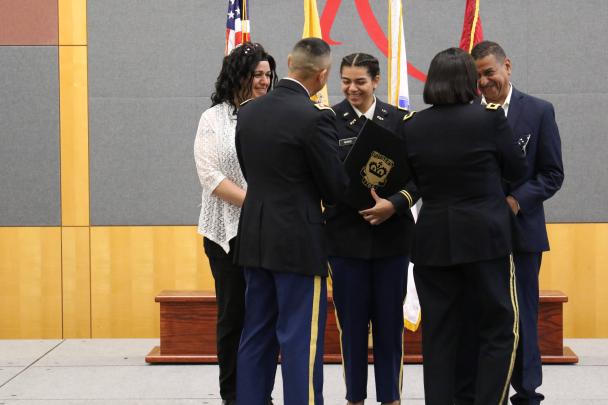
x=511, y=157
x=405, y=198
x=206, y=154
x=549, y=170
x=322, y=155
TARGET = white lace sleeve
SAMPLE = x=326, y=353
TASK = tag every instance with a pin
x=206, y=154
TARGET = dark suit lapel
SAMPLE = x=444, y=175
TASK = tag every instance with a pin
x=515, y=107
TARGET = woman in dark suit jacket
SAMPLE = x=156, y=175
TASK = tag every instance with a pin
x=460, y=152
x=369, y=250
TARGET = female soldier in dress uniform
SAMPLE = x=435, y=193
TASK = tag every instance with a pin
x=459, y=152
x=369, y=249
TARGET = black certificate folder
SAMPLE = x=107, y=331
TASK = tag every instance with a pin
x=377, y=160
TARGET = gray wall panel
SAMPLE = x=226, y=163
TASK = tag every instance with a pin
x=154, y=48
x=148, y=59
x=568, y=42
x=142, y=168
x=583, y=123
x=29, y=136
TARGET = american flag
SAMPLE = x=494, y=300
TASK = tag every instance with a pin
x=237, y=24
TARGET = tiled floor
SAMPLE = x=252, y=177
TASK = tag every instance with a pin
x=113, y=371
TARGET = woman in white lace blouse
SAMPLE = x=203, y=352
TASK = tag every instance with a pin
x=247, y=72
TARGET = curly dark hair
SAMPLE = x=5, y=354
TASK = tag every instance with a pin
x=233, y=84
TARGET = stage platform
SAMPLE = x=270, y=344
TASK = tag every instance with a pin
x=113, y=371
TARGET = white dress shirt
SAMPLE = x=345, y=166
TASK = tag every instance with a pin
x=216, y=160
x=505, y=105
x=369, y=114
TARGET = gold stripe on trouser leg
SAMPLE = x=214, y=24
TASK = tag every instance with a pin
x=513, y=288
x=314, y=332
x=339, y=331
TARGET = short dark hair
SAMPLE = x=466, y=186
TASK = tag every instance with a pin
x=369, y=62
x=312, y=47
x=310, y=55
x=452, y=78
x=485, y=48
x=237, y=72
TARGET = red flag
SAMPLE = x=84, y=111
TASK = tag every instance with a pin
x=237, y=25
x=472, y=33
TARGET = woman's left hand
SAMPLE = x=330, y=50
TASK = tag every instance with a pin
x=380, y=212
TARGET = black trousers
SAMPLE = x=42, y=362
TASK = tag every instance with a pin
x=445, y=299
x=230, y=297
x=527, y=371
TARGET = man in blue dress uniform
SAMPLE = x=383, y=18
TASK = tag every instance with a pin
x=287, y=149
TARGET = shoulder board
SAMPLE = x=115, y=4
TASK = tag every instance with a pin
x=492, y=106
x=324, y=107
x=409, y=115
x=245, y=102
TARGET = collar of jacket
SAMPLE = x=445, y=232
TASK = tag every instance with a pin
x=292, y=85
x=346, y=112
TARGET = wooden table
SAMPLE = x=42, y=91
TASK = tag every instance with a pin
x=187, y=330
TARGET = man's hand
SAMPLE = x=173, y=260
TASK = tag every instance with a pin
x=513, y=204
x=380, y=212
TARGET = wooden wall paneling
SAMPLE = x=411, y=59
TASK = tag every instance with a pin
x=74, y=135
x=72, y=22
x=131, y=265
x=30, y=276
x=76, y=282
x=578, y=265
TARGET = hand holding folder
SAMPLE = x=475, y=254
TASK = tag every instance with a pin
x=382, y=210
x=377, y=160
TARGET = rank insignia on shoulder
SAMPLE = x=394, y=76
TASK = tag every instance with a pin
x=380, y=117
x=345, y=114
x=409, y=115
x=324, y=107
x=245, y=102
x=492, y=106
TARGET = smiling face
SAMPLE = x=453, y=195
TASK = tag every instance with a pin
x=358, y=86
x=493, y=78
x=262, y=76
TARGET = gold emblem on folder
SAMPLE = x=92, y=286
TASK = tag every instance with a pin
x=376, y=170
